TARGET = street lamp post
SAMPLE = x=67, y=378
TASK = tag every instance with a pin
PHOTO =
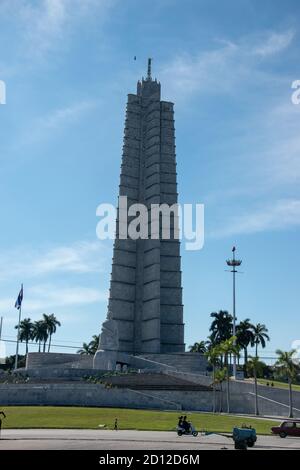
x=234, y=263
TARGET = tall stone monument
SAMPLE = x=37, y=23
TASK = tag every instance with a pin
x=145, y=311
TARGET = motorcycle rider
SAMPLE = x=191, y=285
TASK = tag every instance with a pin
x=186, y=425
x=180, y=421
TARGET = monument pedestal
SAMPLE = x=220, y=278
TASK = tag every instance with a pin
x=110, y=360
x=105, y=360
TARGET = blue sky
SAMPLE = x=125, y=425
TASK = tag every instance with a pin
x=228, y=66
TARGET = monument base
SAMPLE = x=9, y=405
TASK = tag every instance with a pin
x=184, y=362
x=111, y=360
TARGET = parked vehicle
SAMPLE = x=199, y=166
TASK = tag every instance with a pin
x=244, y=437
x=287, y=428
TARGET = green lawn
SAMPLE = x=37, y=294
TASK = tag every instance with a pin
x=277, y=384
x=91, y=418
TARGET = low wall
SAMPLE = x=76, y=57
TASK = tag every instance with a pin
x=239, y=403
x=199, y=379
x=80, y=395
x=60, y=373
x=156, y=362
x=272, y=401
x=42, y=360
x=97, y=395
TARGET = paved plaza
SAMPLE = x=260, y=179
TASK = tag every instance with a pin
x=70, y=439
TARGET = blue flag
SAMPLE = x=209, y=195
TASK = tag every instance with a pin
x=19, y=300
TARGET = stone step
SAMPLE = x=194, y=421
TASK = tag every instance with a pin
x=187, y=362
x=153, y=381
x=182, y=388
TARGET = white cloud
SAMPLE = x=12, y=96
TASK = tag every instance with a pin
x=48, y=296
x=224, y=68
x=186, y=75
x=282, y=158
x=282, y=215
x=43, y=298
x=269, y=150
x=46, y=25
x=81, y=257
x=55, y=121
x=63, y=116
x=275, y=43
x=265, y=162
x=57, y=291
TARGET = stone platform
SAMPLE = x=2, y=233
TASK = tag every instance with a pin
x=58, y=360
x=161, y=381
x=181, y=362
x=154, y=381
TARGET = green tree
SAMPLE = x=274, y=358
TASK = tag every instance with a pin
x=221, y=327
x=287, y=366
x=255, y=367
x=260, y=336
x=220, y=377
x=94, y=344
x=26, y=331
x=213, y=356
x=40, y=333
x=245, y=337
x=11, y=360
x=51, y=323
x=198, y=347
x=91, y=347
x=84, y=350
x=228, y=347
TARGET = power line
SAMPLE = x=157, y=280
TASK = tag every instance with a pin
x=35, y=344
x=64, y=340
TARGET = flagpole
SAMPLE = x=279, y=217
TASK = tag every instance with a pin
x=17, y=347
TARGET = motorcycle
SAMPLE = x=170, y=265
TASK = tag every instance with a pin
x=183, y=432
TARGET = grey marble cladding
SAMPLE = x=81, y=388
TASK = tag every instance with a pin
x=145, y=300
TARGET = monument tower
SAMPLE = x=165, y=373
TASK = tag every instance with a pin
x=145, y=311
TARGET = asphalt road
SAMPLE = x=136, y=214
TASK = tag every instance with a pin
x=70, y=439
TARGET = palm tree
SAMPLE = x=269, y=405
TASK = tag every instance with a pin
x=40, y=333
x=289, y=368
x=245, y=336
x=84, y=350
x=90, y=348
x=94, y=344
x=228, y=348
x=220, y=376
x=259, y=336
x=199, y=347
x=221, y=327
x=213, y=356
x=52, y=323
x=26, y=331
x=255, y=367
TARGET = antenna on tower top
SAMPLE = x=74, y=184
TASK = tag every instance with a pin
x=149, y=69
